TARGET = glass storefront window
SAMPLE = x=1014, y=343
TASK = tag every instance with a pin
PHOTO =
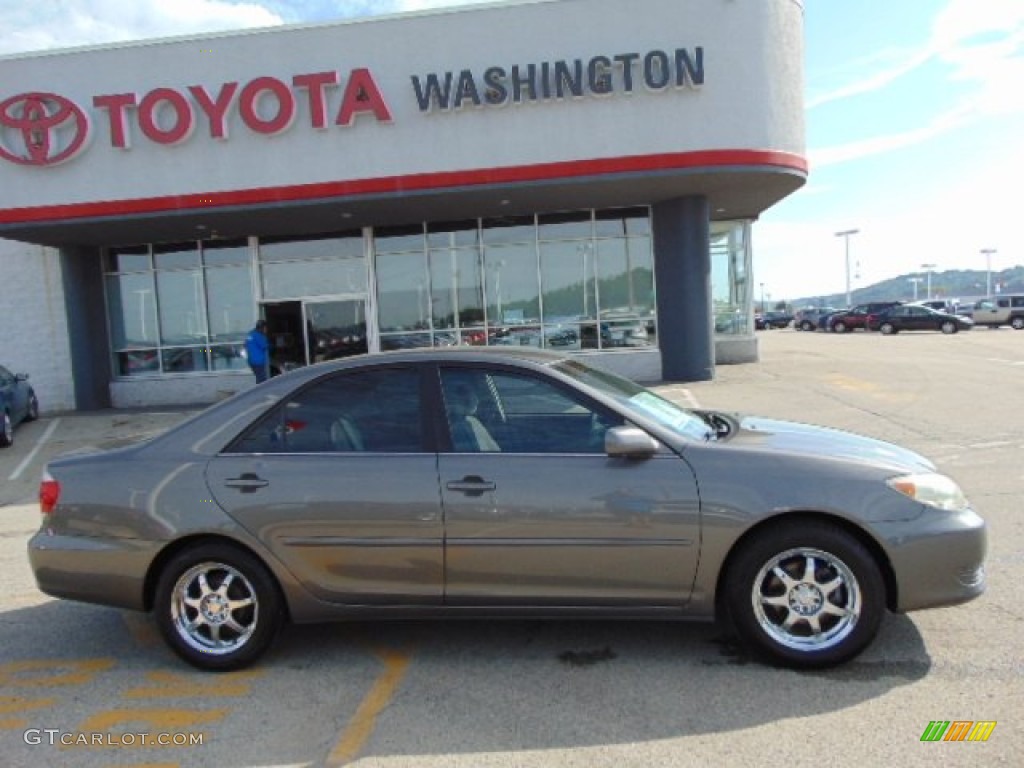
x=565, y=226
x=230, y=302
x=220, y=252
x=348, y=245
x=456, y=288
x=181, y=307
x=730, y=277
x=514, y=229
x=403, y=292
x=298, y=279
x=129, y=259
x=175, y=255
x=132, y=310
x=513, y=295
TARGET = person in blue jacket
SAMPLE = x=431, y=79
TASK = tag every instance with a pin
x=257, y=351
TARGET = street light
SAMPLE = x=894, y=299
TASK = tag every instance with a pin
x=929, y=267
x=845, y=234
x=762, y=299
x=915, y=281
x=988, y=269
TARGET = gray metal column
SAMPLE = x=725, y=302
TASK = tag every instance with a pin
x=682, y=265
x=87, y=327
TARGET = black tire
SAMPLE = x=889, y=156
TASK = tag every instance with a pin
x=948, y=327
x=6, y=430
x=807, y=325
x=1017, y=323
x=248, y=628
x=887, y=329
x=33, y=408
x=759, y=602
x=839, y=327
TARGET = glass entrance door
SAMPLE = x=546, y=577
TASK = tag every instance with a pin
x=335, y=328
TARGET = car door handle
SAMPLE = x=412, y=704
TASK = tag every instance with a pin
x=471, y=485
x=247, y=483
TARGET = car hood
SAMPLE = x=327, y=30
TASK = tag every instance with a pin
x=809, y=440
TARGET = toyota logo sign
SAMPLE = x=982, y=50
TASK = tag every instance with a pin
x=41, y=129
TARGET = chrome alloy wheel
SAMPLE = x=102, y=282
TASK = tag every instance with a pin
x=214, y=608
x=806, y=599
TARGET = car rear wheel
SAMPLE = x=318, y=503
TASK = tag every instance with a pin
x=887, y=328
x=948, y=327
x=807, y=325
x=217, y=607
x=806, y=595
x=6, y=430
x=1017, y=323
x=839, y=327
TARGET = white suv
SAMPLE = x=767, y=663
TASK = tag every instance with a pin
x=1000, y=310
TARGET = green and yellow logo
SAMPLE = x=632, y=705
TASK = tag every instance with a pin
x=958, y=730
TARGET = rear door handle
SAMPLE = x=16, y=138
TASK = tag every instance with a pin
x=471, y=485
x=247, y=483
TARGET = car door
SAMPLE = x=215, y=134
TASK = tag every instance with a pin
x=340, y=482
x=537, y=513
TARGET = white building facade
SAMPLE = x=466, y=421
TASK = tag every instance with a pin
x=573, y=174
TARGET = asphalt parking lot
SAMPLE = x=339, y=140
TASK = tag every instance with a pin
x=566, y=693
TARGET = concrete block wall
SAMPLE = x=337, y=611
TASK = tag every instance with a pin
x=33, y=322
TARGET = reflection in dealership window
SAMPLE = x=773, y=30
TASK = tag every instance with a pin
x=166, y=314
x=730, y=268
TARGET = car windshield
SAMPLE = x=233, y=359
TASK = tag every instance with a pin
x=638, y=399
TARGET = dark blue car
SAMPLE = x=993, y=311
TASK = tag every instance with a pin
x=18, y=403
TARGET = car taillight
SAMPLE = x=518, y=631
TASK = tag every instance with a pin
x=49, y=493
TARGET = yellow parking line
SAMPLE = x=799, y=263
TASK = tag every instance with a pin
x=174, y=685
x=361, y=726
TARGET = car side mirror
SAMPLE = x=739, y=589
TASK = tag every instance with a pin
x=629, y=443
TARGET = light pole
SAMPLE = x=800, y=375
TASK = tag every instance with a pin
x=929, y=267
x=915, y=281
x=762, y=299
x=988, y=270
x=845, y=234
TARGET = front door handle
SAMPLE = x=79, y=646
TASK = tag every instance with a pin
x=471, y=485
x=247, y=483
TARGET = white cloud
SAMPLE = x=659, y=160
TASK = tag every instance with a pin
x=41, y=25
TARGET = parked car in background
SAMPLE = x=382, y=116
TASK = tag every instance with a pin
x=910, y=317
x=773, y=319
x=807, y=319
x=1000, y=310
x=501, y=482
x=857, y=318
x=18, y=403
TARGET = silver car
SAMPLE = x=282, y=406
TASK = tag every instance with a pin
x=501, y=483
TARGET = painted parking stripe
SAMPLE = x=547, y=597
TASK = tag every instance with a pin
x=32, y=454
x=362, y=724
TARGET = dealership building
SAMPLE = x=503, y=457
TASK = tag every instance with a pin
x=581, y=175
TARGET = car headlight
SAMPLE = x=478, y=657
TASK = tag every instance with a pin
x=932, y=489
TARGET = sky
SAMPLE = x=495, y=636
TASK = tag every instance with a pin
x=914, y=114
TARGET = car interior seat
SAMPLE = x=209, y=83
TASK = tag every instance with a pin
x=469, y=435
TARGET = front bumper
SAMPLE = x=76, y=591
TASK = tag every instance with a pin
x=938, y=559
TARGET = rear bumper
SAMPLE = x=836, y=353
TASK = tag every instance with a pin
x=107, y=572
x=938, y=559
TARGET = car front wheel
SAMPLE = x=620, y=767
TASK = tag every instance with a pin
x=887, y=328
x=805, y=595
x=839, y=327
x=217, y=607
x=1017, y=323
x=949, y=327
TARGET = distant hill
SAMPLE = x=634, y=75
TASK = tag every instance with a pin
x=962, y=284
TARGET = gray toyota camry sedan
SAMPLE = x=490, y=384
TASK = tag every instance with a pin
x=498, y=483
